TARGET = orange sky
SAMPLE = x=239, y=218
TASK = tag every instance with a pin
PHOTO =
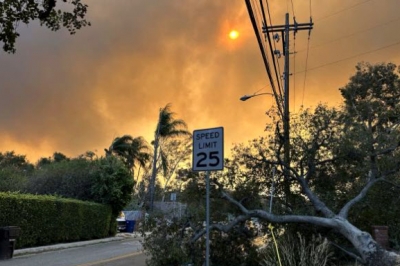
x=76, y=93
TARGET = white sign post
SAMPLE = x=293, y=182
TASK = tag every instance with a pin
x=208, y=155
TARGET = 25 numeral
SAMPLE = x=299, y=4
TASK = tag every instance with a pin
x=212, y=155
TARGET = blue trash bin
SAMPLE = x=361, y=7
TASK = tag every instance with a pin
x=130, y=226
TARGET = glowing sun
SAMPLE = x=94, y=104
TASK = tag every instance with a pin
x=234, y=34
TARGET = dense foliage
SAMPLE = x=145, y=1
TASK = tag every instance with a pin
x=113, y=184
x=67, y=178
x=103, y=180
x=47, y=219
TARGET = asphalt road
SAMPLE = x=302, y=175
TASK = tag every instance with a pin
x=115, y=253
x=132, y=260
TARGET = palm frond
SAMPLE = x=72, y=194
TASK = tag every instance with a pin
x=131, y=150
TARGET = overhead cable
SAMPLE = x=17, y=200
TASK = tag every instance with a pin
x=264, y=55
x=277, y=71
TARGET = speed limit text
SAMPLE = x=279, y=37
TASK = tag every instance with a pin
x=203, y=137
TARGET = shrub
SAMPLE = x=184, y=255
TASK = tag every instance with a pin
x=69, y=179
x=165, y=244
x=113, y=184
x=47, y=219
x=105, y=180
x=12, y=179
x=170, y=244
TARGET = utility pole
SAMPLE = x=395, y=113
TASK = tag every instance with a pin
x=284, y=30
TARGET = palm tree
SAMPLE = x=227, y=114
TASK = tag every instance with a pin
x=167, y=127
x=131, y=150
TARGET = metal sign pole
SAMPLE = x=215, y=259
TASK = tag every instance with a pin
x=207, y=218
x=208, y=155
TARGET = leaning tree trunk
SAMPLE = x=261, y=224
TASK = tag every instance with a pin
x=369, y=250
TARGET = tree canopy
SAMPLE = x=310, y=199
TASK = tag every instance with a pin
x=68, y=14
x=104, y=180
x=339, y=158
x=132, y=151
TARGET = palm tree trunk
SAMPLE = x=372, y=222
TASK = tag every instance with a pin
x=153, y=175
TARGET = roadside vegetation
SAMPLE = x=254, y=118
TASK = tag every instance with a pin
x=46, y=220
x=62, y=199
x=102, y=180
x=343, y=178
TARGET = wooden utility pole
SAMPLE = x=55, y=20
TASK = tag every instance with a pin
x=284, y=30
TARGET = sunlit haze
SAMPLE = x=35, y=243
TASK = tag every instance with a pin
x=74, y=93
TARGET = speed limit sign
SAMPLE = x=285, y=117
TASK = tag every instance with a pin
x=208, y=149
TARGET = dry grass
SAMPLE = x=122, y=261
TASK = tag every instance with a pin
x=294, y=250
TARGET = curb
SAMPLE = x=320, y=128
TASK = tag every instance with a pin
x=119, y=237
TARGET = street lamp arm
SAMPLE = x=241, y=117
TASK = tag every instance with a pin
x=246, y=97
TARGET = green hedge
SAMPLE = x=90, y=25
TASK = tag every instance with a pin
x=48, y=220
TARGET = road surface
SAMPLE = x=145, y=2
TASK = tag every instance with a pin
x=115, y=253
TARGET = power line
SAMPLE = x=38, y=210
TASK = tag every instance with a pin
x=305, y=72
x=350, y=57
x=294, y=72
x=352, y=34
x=279, y=67
x=294, y=58
x=293, y=8
x=257, y=8
x=259, y=14
x=263, y=53
x=343, y=10
x=274, y=60
x=308, y=49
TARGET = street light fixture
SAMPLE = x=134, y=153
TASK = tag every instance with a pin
x=246, y=97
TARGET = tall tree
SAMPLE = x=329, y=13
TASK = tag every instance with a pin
x=131, y=150
x=59, y=157
x=352, y=149
x=17, y=161
x=48, y=12
x=167, y=127
x=56, y=158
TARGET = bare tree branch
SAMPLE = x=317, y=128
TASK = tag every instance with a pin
x=391, y=183
x=386, y=151
x=345, y=210
x=317, y=203
x=247, y=214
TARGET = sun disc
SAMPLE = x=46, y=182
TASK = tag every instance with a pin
x=234, y=34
